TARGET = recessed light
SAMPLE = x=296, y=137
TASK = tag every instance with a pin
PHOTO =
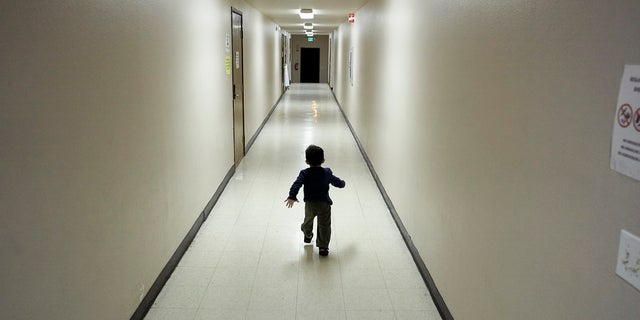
x=308, y=25
x=306, y=14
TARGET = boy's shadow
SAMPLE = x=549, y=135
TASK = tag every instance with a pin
x=308, y=253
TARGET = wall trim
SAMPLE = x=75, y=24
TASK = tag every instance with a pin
x=422, y=268
x=165, y=274
x=264, y=122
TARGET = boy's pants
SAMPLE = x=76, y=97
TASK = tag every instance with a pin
x=322, y=210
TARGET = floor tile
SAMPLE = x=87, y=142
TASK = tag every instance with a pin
x=179, y=296
x=367, y=299
x=171, y=314
x=277, y=277
x=200, y=258
x=363, y=278
x=226, y=298
x=354, y=257
x=240, y=259
x=190, y=276
x=217, y=314
x=395, y=259
x=287, y=314
x=318, y=276
x=321, y=315
x=403, y=278
x=278, y=297
x=234, y=277
x=419, y=314
x=411, y=299
x=371, y=315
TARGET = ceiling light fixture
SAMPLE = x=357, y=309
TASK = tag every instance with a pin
x=306, y=14
x=308, y=26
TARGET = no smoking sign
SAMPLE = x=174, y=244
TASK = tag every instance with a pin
x=624, y=115
x=625, y=142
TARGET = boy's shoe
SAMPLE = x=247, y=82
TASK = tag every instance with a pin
x=308, y=239
x=324, y=251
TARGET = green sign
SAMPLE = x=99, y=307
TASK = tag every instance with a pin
x=310, y=39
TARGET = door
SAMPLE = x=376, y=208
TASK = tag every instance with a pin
x=283, y=60
x=330, y=61
x=238, y=86
x=310, y=65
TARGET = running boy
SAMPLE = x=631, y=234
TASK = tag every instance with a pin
x=316, y=181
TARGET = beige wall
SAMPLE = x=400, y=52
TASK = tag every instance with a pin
x=115, y=131
x=490, y=126
x=322, y=42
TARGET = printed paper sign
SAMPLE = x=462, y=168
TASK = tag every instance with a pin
x=227, y=64
x=625, y=144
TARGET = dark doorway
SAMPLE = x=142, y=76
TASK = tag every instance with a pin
x=310, y=65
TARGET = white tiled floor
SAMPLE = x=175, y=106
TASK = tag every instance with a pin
x=249, y=262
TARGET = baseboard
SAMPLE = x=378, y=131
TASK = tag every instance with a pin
x=422, y=268
x=165, y=274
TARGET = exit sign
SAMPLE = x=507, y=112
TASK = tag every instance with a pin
x=310, y=39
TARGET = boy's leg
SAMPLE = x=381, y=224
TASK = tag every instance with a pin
x=307, y=224
x=324, y=225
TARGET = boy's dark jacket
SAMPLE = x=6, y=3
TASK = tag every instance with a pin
x=316, y=182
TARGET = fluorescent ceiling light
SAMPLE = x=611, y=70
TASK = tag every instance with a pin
x=306, y=14
x=308, y=25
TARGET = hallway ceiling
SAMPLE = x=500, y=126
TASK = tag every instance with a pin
x=329, y=14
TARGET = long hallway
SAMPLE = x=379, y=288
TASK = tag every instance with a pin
x=248, y=260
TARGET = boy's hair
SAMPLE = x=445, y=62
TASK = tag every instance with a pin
x=315, y=155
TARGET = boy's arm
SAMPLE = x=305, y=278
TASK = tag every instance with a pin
x=295, y=187
x=289, y=202
x=335, y=181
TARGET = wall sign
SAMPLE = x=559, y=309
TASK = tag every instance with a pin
x=227, y=64
x=625, y=144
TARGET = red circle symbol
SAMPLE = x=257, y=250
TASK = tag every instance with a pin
x=624, y=115
x=636, y=120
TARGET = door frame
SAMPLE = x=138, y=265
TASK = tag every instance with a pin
x=238, y=151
